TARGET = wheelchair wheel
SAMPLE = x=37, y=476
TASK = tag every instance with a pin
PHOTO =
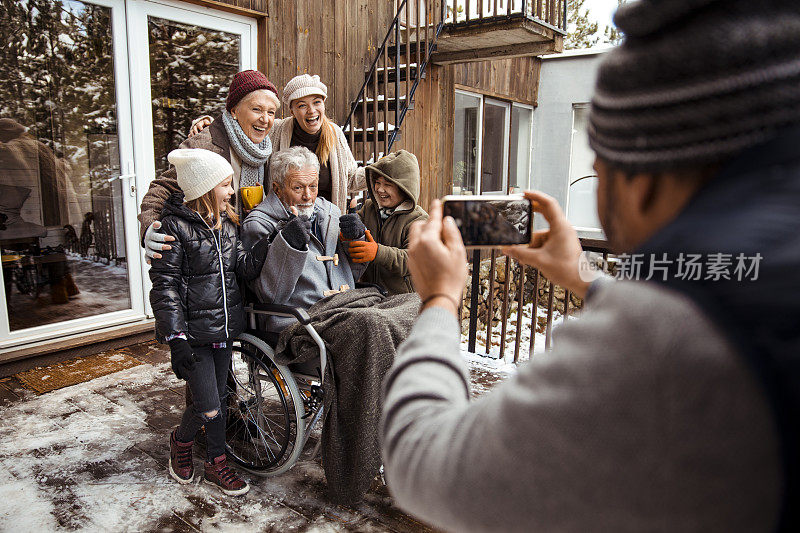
x=265, y=430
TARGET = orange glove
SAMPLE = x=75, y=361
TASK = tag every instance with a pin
x=364, y=252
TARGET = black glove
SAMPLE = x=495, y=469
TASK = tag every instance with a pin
x=351, y=226
x=298, y=233
x=183, y=359
x=260, y=249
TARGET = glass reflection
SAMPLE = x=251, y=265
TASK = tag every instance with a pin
x=62, y=239
x=190, y=70
x=465, y=144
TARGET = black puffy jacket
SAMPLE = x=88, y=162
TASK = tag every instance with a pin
x=191, y=292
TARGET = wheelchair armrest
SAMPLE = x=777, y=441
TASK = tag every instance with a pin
x=283, y=310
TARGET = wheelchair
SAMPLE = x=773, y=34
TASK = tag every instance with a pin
x=272, y=409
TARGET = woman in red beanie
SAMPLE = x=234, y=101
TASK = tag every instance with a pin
x=309, y=126
x=240, y=135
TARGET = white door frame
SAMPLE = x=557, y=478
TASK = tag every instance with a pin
x=130, y=205
x=138, y=38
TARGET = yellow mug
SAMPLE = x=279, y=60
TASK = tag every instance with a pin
x=251, y=196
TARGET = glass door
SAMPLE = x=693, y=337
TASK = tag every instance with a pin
x=494, y=160
x=188, y=56
x=67, y=210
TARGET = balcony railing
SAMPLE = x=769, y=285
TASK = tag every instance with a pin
x=550, y=13
x=510, y=309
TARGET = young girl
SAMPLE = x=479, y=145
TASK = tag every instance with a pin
x=198, y=306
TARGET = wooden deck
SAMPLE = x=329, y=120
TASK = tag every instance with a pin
x=503, y=38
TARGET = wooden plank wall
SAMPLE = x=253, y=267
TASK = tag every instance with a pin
x=427, y=132
x=241, y=7
x=514, y=79
x=336, y=40
x=255, y=5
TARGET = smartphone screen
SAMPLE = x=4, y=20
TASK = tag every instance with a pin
x=490, y=221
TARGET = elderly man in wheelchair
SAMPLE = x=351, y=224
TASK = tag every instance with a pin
x=277, y=394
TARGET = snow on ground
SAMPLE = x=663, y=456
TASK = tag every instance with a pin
x=84, y=457
x=93, y=457
x=525, y=338
x=488, y=370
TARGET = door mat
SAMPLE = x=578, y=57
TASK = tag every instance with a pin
x=49, y=378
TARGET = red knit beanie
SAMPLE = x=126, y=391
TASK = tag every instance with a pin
x=244, y=83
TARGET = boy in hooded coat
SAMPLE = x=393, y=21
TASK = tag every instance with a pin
x=393, y=185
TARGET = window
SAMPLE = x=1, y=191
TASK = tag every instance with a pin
x=520, y=148
x=491, y=145
x=466, y=150
x=494, y=161
x=582, y=192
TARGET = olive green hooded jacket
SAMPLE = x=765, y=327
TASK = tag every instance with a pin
x=390, y=267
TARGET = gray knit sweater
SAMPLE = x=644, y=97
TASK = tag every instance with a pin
x=641, y=418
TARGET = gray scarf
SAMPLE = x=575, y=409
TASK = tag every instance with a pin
x=253, y=156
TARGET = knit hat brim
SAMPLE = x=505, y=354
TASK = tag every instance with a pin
x=198, y=170
x=305, y=91
x=244, y=83
x=695, y=82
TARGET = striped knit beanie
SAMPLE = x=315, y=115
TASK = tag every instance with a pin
x=696, y=81
x=244, y=83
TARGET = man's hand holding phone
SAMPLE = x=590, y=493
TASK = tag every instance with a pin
x=437, y=260
x=554, y=251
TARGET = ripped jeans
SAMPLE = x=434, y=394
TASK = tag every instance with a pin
x=209, y=399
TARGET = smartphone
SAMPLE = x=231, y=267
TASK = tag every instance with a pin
x=490, y=221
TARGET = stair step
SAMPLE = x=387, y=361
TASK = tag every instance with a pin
x=392, y=103
x=369, y=161
x=413, y=48
x=359, y=135
x=391, y=73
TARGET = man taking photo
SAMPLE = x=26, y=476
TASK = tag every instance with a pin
x=672, y=404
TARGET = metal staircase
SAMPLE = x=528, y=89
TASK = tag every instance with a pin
x=387, y=94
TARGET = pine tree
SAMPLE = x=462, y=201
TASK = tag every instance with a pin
x=611, y=34
x=190, y=70
x=582, y=32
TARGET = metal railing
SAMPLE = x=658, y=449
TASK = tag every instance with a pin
x=550, y=13
x=390, y=84
x=527, y=302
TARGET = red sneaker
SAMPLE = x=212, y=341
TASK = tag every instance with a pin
x=219, y=474
x=181, y=467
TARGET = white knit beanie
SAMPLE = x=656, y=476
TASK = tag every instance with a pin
x=199, y=171
x=303, y=85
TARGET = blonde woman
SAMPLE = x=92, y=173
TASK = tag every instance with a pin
x=308, y=126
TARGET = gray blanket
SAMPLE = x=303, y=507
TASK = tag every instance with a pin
x=361, y=329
